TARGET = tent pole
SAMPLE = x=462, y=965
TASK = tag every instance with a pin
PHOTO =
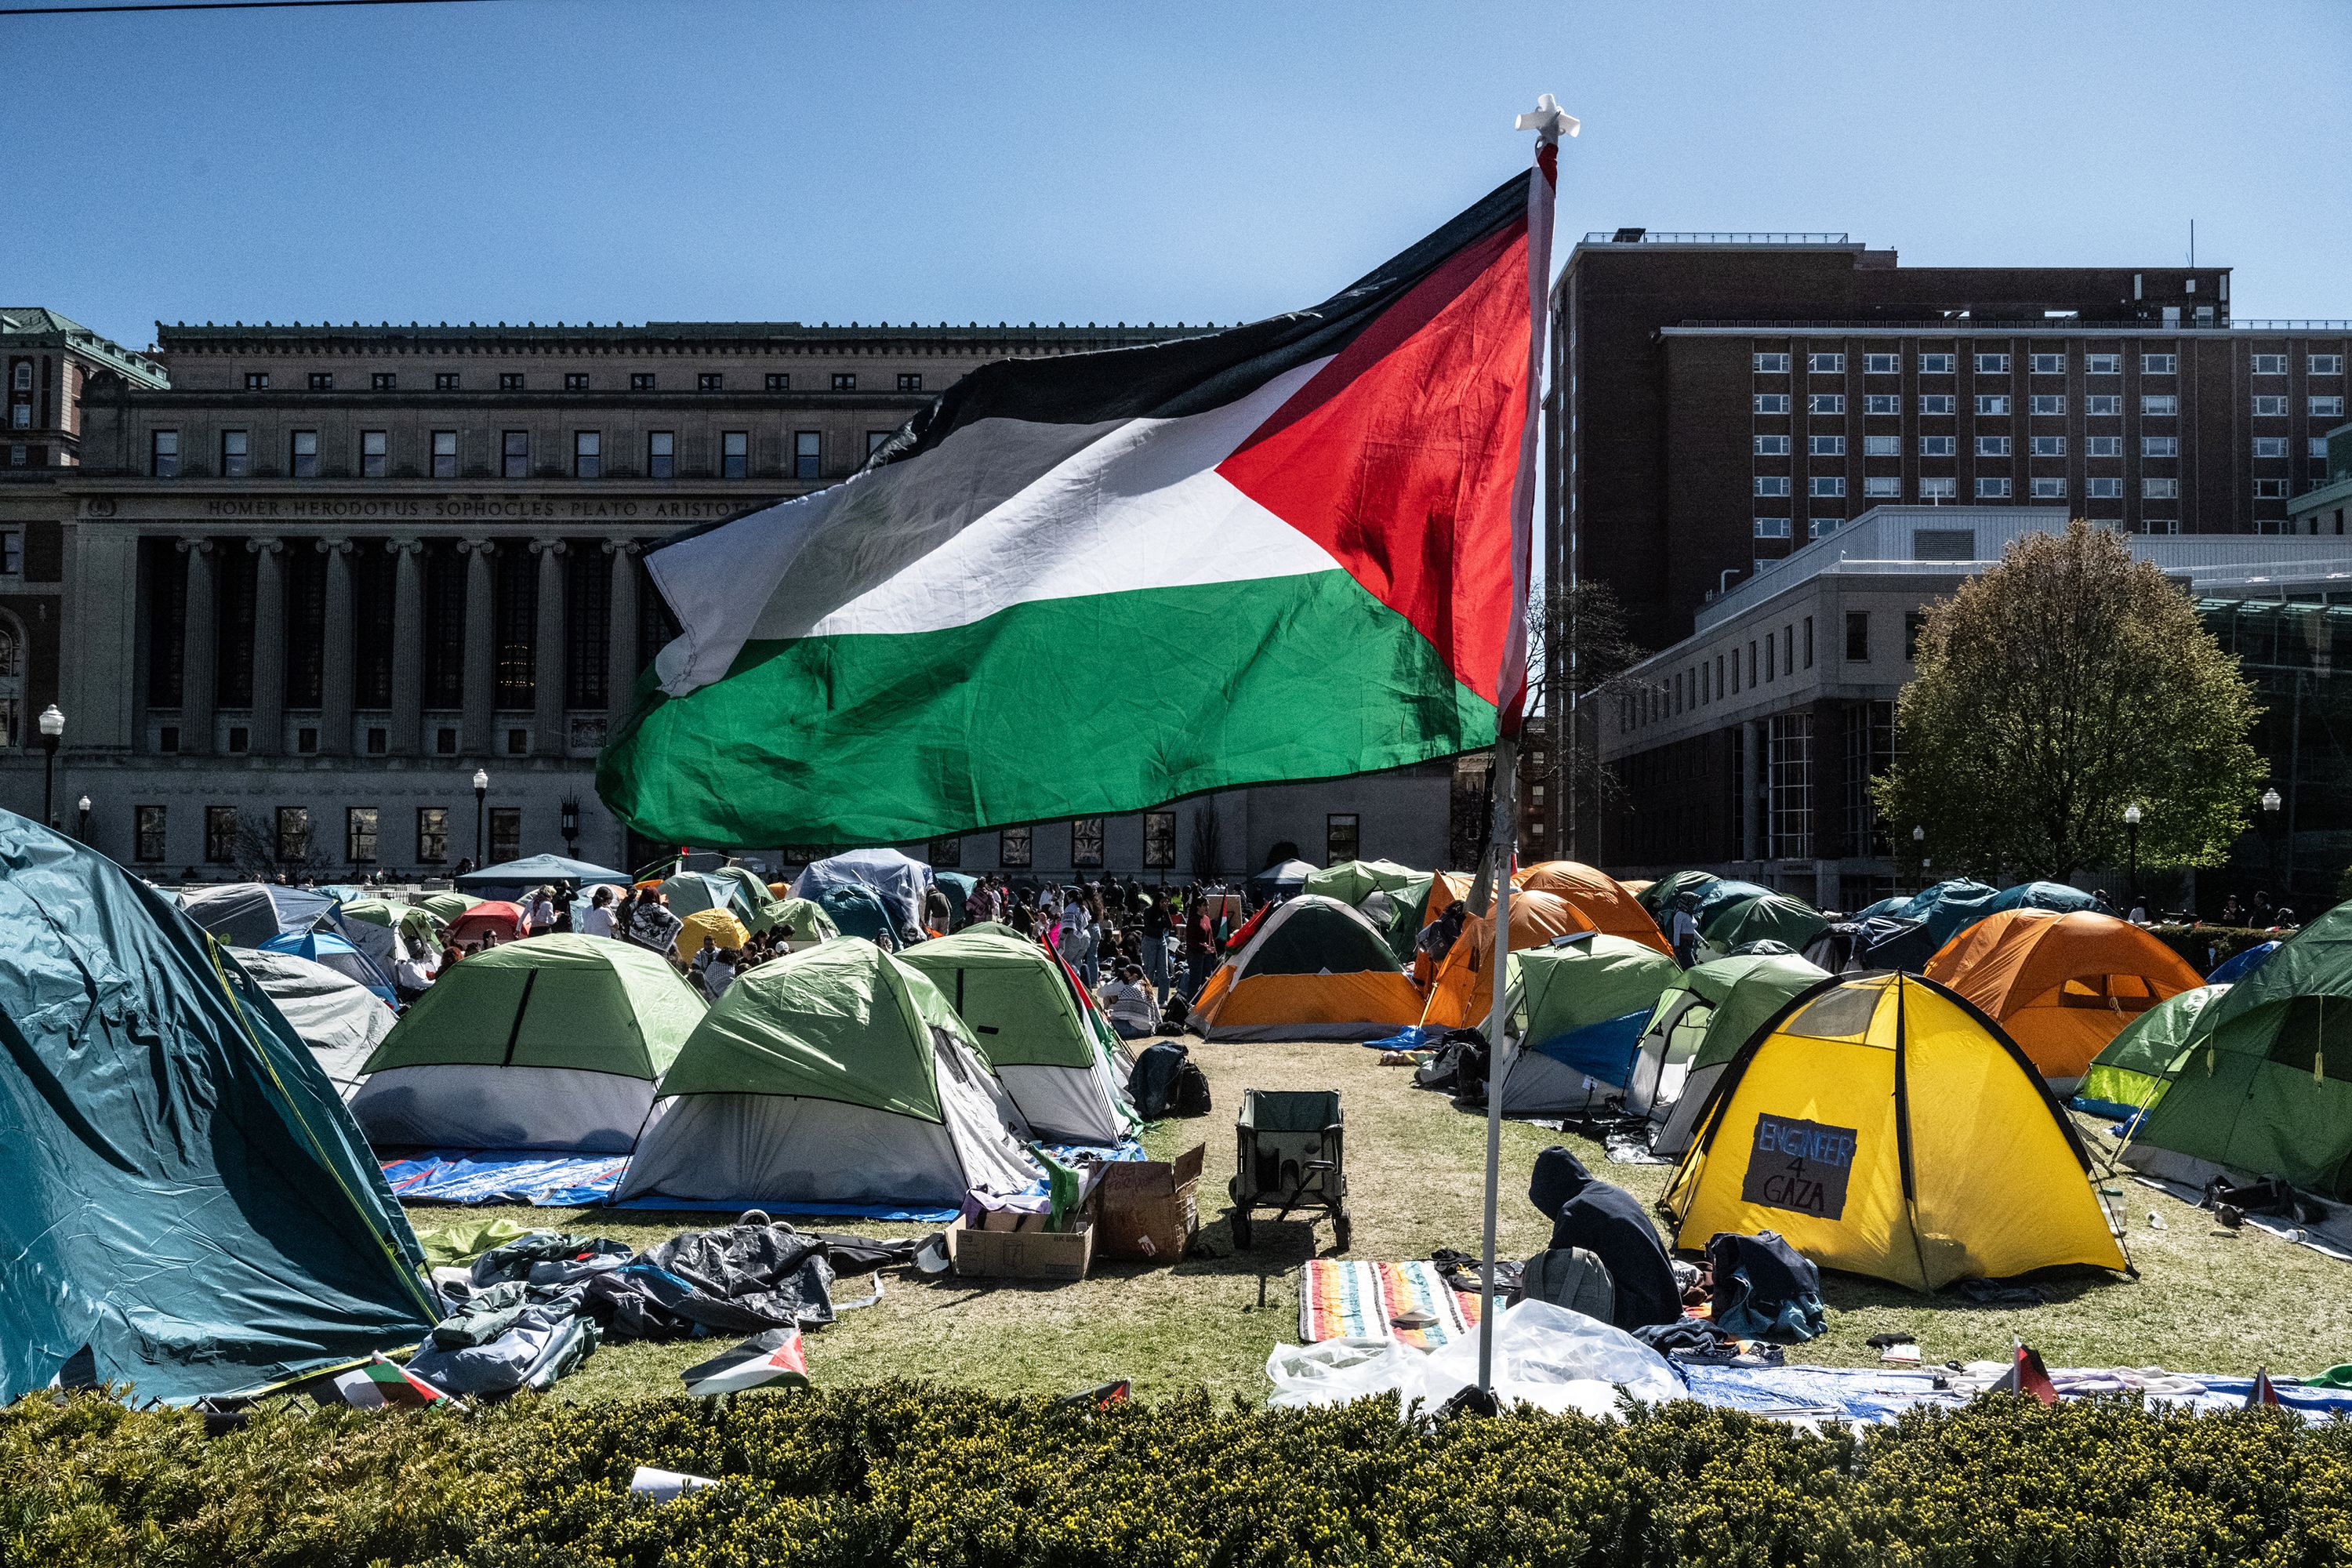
x=1505, y=792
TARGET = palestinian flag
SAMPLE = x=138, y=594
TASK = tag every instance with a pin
x=382, y=1384
x=2026, y=1375
x=762, y=1361
x=1292, y=549
x=2263, y=1392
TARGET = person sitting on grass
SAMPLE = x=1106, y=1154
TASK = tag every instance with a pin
x=1608, y=1222
x=1134, y=1009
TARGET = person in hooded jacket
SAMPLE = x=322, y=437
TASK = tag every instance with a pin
x=1608, y=1222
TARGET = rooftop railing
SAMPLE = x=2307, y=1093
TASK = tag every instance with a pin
x=1696, y=236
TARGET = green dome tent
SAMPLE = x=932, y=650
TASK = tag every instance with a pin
x=553, y=1042
x=1768, y=917
x=1579, y=1005
x=1408, y=909
x=764, y=906
x=1353, y=881
x=1659, y=896
x=2137, y=1066
x=186, y=1198
x=839, y=1075
x=1700, y=1024
x=416, y=925
x=2266, y=1087
x=446, y=907
x=1032, y=1030
x=691, y=892
x=804, y=923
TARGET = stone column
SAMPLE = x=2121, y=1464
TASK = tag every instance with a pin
x=621, y=648
x=548, y=734
x=1752, y=826
x=268, y=733
x=481, y=649
x=407, y=737
x=199, y=650
x=337, y=694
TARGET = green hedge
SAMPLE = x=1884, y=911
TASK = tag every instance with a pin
x=900, y=1474
x=2207, y=947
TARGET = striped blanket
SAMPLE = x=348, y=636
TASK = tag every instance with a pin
x=1339, y=1300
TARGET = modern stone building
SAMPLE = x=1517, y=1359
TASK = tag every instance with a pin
x=327, y=573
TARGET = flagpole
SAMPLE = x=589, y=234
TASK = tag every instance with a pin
x=1547, y=122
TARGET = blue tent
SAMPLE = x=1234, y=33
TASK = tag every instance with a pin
x=857, y=910
x=2041, y=896
x=246, y=914
x=325, y=947
x=2231, y=970
x=190, y=1209
x=509, y=879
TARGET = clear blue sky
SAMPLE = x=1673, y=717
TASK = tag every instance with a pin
x=587, y=159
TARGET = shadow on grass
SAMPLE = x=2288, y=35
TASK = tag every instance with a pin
x=2055, y=1287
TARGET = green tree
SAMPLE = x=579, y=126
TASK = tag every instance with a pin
x=2066, y=683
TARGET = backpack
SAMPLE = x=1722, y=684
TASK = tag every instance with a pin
x=1763, y=1287
x=1191, y=1090
x=1166, y=1082
x=1572, y=1277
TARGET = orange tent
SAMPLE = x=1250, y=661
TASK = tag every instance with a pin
x=1598, y=896
x=2061, y=983
x=1463, y=992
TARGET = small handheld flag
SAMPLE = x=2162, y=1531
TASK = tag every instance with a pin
x=2027, y=1375
x=383, y=1385
x=2263, y=1392
x=764, y=1361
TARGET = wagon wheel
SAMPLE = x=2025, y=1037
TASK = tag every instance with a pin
x=1241, y=1227
x=1343, y=1227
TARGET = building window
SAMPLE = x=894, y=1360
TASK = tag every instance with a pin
x=878, y=439
x=2269, y=365
x=2159, y=446
x=2327, y=409
x=2159, y=490
x=2102, y=446
x=910, y=381
x=2270, y=446
x=2102, y=405
x=1158, y=840
x=808, y=453
x=445, y=742
x=446, y=381
x=1825, y=365
x=734, y=453
x=2049, y=364
x=1772, y=445
x=1822, y=527
x=305, y=463
x=2103, y=489
x=1788, y=785
x=641, y=381
x=2103, y=364
x=1857, y=636
x=1339, y=834
x=147, y=832
x=2046, y=487
x=305, y=739
x=1992, y=364
x=12, y=564
x=2270, y=489
x=517, y=739
x=1825, y=485
x=359, y=835
x=1881, y=446
x=587, y=454
x=375, y=454
x=1992, y=445
x=1825, y=446
x=256, y=381
x=1883, y=487
x=944, y=852
x=2165, y=405
x=1772, y=364
x=1937, y=365
x=1938, y=446
x=444, y=454
x=1809, y=642
x=1914, y=623
x=1945, y=488
x=17, y=454
x=378, y=740
x=510, y=381
x=1937, y=403
x=2325, y=364
x=220, y=835
x=1992, y=489
x=1012, y=848
x=1771, y=402
x=237, y=454
x=2318, y=446
x=2047, y=404
x=1772, y=528
x=2048, y=446
x=845, y=381
x=1825, y=403
x=21, y=377
x=1881, y=365
x=1086, y=842
x=293, y=834
x=322, y=381
x=1772, y=484
x=506, y=834
x=575, y=381
x=661, y=455
x=1882, y=403
x=431, y=835
x=514, y=447
x=710, y=381
x=164, y=454
x=782, y=380
x=1992, y=404
x=2159, y=364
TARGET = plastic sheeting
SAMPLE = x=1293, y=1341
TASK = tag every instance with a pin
x=506, y=1176
x=1548, y=1356
x=899, y=880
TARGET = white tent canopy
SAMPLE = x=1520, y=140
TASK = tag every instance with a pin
x=340, y=1019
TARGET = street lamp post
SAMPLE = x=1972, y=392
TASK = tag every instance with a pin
x=84, y=803
x=53, y=730
x=571, y=826
x=2131, y=839
x=1919, y=837
x=2270, y=804
x=481, y=816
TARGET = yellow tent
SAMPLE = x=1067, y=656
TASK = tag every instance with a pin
x=1316, y=970
x=1884, y=1127
x=710, y=923
x=1463, y=994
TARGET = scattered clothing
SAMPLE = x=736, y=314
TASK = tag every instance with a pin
x=1764, y=1289
x=738, y=1279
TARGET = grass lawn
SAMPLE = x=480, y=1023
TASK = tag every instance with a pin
x=2206, y=1300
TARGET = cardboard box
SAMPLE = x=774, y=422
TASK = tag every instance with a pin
x=1149, y=1208
x=1022, y=1254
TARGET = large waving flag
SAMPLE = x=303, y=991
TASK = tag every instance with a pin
x=1097, y=582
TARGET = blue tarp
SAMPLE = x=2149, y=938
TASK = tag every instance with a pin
x=338, y=954
x=1869, y=1394
x=2230, y=971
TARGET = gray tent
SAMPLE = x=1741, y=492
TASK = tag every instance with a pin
x=246, y=914
x=340, y=1019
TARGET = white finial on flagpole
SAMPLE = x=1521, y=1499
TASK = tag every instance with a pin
x=1548, y=122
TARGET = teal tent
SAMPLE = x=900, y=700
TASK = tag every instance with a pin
x=2041, y=896
x=187, y=1197
x=1659, y=897
x=1739, y=924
